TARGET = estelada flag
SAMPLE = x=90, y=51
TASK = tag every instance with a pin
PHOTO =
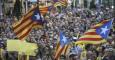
x=97, y=34
x=24, y=26
x=61, y=46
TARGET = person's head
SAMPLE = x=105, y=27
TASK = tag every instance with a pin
x=100, y=49
x=88, y=46
x=108, y=51
x=74, y=44
x=72, y=57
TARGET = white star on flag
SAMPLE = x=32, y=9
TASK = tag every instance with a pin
x=104, y=30
x=64, y=39
x=37, y=16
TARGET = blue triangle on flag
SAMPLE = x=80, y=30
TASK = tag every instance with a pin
x=104, y=30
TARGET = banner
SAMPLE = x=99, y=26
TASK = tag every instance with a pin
x=22, y=47
x=13, y=45
x=28, y=49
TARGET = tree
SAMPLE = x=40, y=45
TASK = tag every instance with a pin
x=92, y=4
x=17, y=9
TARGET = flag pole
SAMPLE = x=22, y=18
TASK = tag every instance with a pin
x=27, y=57
x=1, y=53
x=18, y=56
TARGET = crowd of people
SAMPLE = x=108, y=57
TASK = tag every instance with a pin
x=73, y=22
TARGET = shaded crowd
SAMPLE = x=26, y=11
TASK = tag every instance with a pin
x=74, y=22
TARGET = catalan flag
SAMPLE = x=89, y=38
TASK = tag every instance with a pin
x=44, y=10
x=64, y=2
x=97, y=34
x=66, y=50
x=60, y=46
x=24, y=26
x=60, y=3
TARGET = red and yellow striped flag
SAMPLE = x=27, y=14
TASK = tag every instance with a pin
x=91, y=37
x=63, y=2
x=58, y=52
x=61, y=46
x=60, y=3
x=43, y=10
x=66, y=50
x=24, y=26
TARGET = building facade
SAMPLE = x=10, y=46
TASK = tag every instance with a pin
x=6, y=6
x=88, y=3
